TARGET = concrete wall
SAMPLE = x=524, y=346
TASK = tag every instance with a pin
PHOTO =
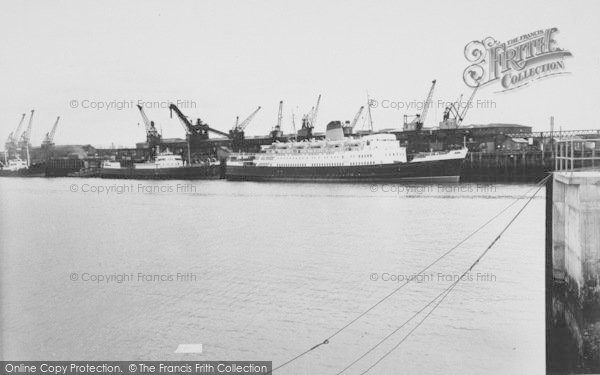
x=576, y=263
x=576, y=230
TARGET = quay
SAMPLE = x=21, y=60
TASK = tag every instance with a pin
x=498, y=152
x=573, y=259
x=507, y=166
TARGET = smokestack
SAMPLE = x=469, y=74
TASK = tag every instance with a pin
x=552, y=125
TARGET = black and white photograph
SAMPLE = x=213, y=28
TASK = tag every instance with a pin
x=299, y=187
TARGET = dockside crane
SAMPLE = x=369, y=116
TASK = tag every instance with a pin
x=240, y=126
x=188, y=128
x=349, y=127
x=26, y=137
x=276, y=133
x=357, y=116
x=419, y=119
x=153, y=137
x=464, y=112
x=196, y=136
x=313, y=119
x=11, y=143
x=453, y=117
x=151, y=131
x=49, y=138
x=308, y=122
x=199, y=130
x=236, y=134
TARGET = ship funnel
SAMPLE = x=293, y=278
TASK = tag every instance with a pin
x=335, y=131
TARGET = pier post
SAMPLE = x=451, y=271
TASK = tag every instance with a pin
x=548, y=270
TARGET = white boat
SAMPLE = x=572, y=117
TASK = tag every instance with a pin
x=15, y=164
x=18, y=167
x=165, y=165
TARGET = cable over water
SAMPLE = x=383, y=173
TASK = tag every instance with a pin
x=327, y=340
x=440, y=297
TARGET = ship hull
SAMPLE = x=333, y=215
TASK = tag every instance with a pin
x=33, y=171
x=427, y=171
x=4, y=173
x=181, y=173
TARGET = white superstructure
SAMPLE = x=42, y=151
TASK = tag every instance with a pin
x=163, y=160
x=369, y=150
x=15, y=164
x=111, y=164
x=374, y=149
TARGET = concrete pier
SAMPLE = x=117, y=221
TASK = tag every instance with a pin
x=574, y=300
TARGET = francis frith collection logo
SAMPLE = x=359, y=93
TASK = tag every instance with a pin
x=515, y=63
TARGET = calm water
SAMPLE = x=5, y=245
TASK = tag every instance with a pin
x=277, y=268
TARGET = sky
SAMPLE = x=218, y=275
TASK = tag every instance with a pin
x=222, y=59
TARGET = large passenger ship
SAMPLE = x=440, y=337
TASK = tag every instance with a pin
x=375, y=157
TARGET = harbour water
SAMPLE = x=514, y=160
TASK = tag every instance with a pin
x=124, y=270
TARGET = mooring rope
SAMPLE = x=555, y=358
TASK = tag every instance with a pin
x=368, y=310
x=440, y=297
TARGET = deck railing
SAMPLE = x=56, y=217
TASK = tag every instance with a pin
x=571, y=154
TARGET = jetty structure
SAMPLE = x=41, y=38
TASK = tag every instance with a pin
x=573, y=258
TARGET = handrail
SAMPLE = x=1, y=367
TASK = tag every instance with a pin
x=571, y=154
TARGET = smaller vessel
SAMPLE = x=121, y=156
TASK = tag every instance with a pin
x=18, y=167
x=15, y=165
x=165, y=165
